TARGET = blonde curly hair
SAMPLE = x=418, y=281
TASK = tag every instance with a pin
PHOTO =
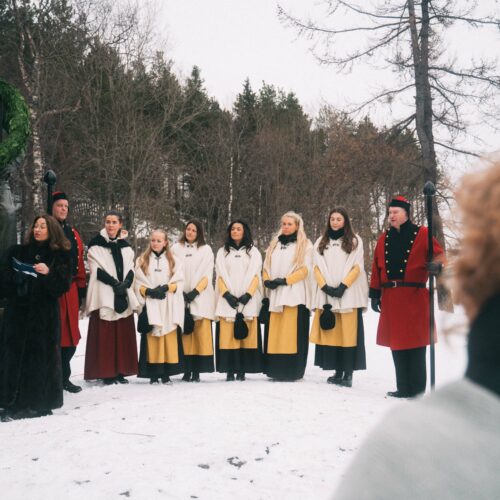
x=477, y=268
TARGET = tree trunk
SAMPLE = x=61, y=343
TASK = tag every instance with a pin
x=423, y=120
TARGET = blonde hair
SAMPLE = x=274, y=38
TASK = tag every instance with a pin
x=477, y=268
x=302, y=242
x=143, y=260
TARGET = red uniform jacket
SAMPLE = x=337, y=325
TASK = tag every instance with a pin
x=404, y=320
x=68, y=303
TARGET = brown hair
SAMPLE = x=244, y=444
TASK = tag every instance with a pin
x=349, y=240
x=57, y=240
x=200, y=235
x=477, y=268
x=143, y=260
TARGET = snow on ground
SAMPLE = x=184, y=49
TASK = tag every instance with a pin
x=213, y=440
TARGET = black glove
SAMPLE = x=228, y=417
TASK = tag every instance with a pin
x=231, y=300
x=245, y=299
x=264, y=311
x=129, y=279
x=155, y=293
x=163, y=288
x=434, y=268
x=106, y=278
x=376, y=305
x=190, y=296
x=329, y=290
x=280, y=282
x=270, y=284
x=339, y=290
x=120, y=288
x=82, y=293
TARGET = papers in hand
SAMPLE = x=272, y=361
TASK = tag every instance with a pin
x=22, y=267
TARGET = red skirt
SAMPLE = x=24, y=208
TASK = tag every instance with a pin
x=111, y=348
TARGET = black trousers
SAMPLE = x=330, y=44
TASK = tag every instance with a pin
x=411, y=371
x=66, y=354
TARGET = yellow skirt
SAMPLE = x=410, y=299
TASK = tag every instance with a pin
x=226, y=335
x=282, y=337
x=163, y=349
x=344, y=334
x=199, y=343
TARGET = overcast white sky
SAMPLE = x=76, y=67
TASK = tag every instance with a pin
x=231, y=40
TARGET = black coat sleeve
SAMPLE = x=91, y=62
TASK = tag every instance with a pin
x=58, y=281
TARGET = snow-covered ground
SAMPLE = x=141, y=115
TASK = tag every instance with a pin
x=213, y=440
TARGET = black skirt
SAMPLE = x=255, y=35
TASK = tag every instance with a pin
x=289, y=366
x=347, y=359
x=154, y=370
x=238, y=360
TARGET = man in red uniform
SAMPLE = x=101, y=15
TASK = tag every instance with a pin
x=69, y=303
x=398, y=291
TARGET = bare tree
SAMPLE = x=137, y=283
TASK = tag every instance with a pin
x=408, y=36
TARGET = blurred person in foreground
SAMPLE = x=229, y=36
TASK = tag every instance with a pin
x=447, y=445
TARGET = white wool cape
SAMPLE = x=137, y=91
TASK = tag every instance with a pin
x=164, y=315
x=101, y=296
x=198, y=264
x=334, y=265
x=237, y=269
x=281, y=266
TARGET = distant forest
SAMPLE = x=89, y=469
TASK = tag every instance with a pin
x=123, y=131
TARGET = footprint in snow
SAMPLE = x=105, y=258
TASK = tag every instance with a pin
x=236, y=462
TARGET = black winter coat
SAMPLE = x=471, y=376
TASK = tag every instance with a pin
x=30, y=359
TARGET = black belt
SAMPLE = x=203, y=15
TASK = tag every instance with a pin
x=397, y=284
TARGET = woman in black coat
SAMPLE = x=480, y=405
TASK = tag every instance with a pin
x=32, y=277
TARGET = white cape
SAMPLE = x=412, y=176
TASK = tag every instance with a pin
x=198, y=264
x=334, y=265
x=101, y=296
x=281, y=266
x=167, y=314
x=237, y=269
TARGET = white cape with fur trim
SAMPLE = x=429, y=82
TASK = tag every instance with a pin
x=237, y=269
x=164, y=315
x=334, y=265
x=101, y=296
x=281, y=266
x=198, y=264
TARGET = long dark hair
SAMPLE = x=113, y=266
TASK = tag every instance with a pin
x=200, y=235
x=56, y=240
x=247, y=240
x=349, y=240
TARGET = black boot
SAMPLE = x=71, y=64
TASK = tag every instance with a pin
x=70, y=387
x=230, y=376
x=347, y=380
x=336, y=378
x=398, y=394
x=195, y=377
x=166, y=380
x=109, y=381
x=186, y=377
x=154, y=380
x=240, y=376
x=121, y=379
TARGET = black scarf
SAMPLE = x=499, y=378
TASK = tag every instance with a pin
x=233, y=244
x=484, y=347
x=115, y=246
x=335, y=234
x=285, y=239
